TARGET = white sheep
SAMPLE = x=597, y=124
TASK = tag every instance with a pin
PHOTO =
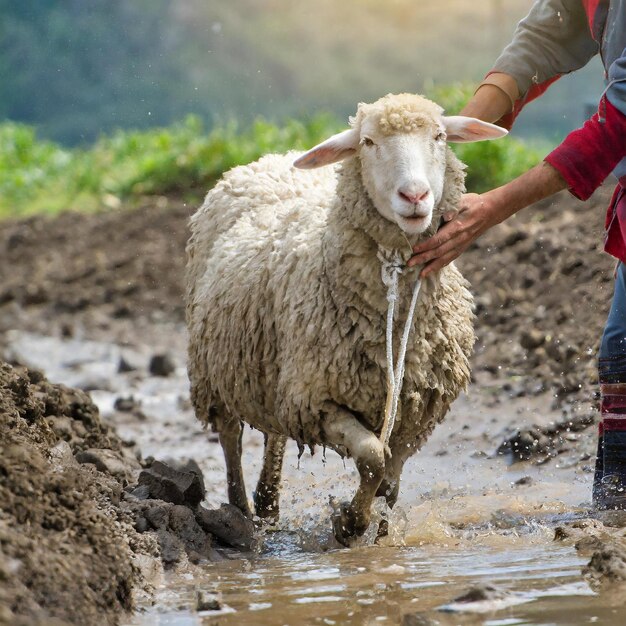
x=286, y=309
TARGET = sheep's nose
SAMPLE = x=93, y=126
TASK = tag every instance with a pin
x=410, y=195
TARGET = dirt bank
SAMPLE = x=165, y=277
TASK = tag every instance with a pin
x=67, y=550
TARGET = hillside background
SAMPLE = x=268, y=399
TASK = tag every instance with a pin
x=76, y=69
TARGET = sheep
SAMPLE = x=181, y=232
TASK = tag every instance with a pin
x=286, y=310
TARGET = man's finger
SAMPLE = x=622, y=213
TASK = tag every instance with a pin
x=446, y=232
x=429, y=255
x=442, y=261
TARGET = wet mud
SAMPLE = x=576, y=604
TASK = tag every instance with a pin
x=95, y=302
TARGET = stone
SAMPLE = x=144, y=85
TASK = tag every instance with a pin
x=126, y=405
x=608, y=563
x=208, y=601
x=141, y=524
x=141, y=492
x=158, y=515
x=107, y=461
x=229, y=525
x=532, y=339
x=124, y=366
x=524, y=480
x=188, y=465
x=169, y=484
x=161, y=365
x=183, y=524
x=171, y=547
x=480, y=593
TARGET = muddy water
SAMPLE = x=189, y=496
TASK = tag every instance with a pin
x=462, y=518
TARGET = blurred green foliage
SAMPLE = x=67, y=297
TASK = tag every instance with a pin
x=41, y=176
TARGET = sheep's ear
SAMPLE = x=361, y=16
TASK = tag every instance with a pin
x=461, y=129
x=334, y=149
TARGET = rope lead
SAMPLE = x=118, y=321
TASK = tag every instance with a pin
x=391, y=268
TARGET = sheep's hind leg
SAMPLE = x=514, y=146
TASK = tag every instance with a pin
x=268, y=487
x=341, y=429
x=231, y=433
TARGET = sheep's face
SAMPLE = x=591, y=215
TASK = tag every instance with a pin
x=401, y=143
x=403, y=172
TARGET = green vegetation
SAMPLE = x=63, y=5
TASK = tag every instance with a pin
x=40, y=176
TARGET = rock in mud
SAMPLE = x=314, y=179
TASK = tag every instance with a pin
x=229, y=525
x=208, y=601
x=126, y=404
x=480, y=593
x=177, y=531
x=545, y=442
x=484, y=599
x=161, y=365
x=109, y=462
x=608, y=563
x=172, y=485
x=124, y=366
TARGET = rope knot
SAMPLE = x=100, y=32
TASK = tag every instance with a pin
x=391, y=266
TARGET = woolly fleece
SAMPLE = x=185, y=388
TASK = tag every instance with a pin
x=286, y=309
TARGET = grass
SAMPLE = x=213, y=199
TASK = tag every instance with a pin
x=38, y=176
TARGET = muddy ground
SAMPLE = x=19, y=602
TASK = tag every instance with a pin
x=91, y=299
x=542, y=285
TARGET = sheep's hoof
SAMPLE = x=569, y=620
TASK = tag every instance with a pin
x=383, y=530
x=266, y=507
x=348, y=525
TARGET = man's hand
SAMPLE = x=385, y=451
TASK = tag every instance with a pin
x=474, y=217
x=478, y=213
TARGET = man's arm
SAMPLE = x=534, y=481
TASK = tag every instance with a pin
x=553, y=39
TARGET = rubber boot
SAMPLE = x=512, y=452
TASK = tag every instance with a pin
x=609, y=484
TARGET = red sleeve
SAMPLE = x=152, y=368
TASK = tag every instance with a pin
x=588, y=155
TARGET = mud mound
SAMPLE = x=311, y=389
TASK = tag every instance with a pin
x=126, y=263
x=542, y=285
x=66, y=548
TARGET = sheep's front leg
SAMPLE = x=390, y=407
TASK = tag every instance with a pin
x=268, y=487
x=231, y=433
x=390, y=486
x=342, y=429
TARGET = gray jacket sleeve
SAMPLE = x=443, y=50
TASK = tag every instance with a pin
x=553, y=39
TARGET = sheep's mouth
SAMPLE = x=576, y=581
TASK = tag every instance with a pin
x=413, y=224
x=414, y=219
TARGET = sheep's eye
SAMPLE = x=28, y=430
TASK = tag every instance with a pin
x=366, y=141
x=440, y=136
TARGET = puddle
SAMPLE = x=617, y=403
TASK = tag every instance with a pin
x=380, y=585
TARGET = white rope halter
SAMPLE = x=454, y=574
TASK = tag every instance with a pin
x=391, y=267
